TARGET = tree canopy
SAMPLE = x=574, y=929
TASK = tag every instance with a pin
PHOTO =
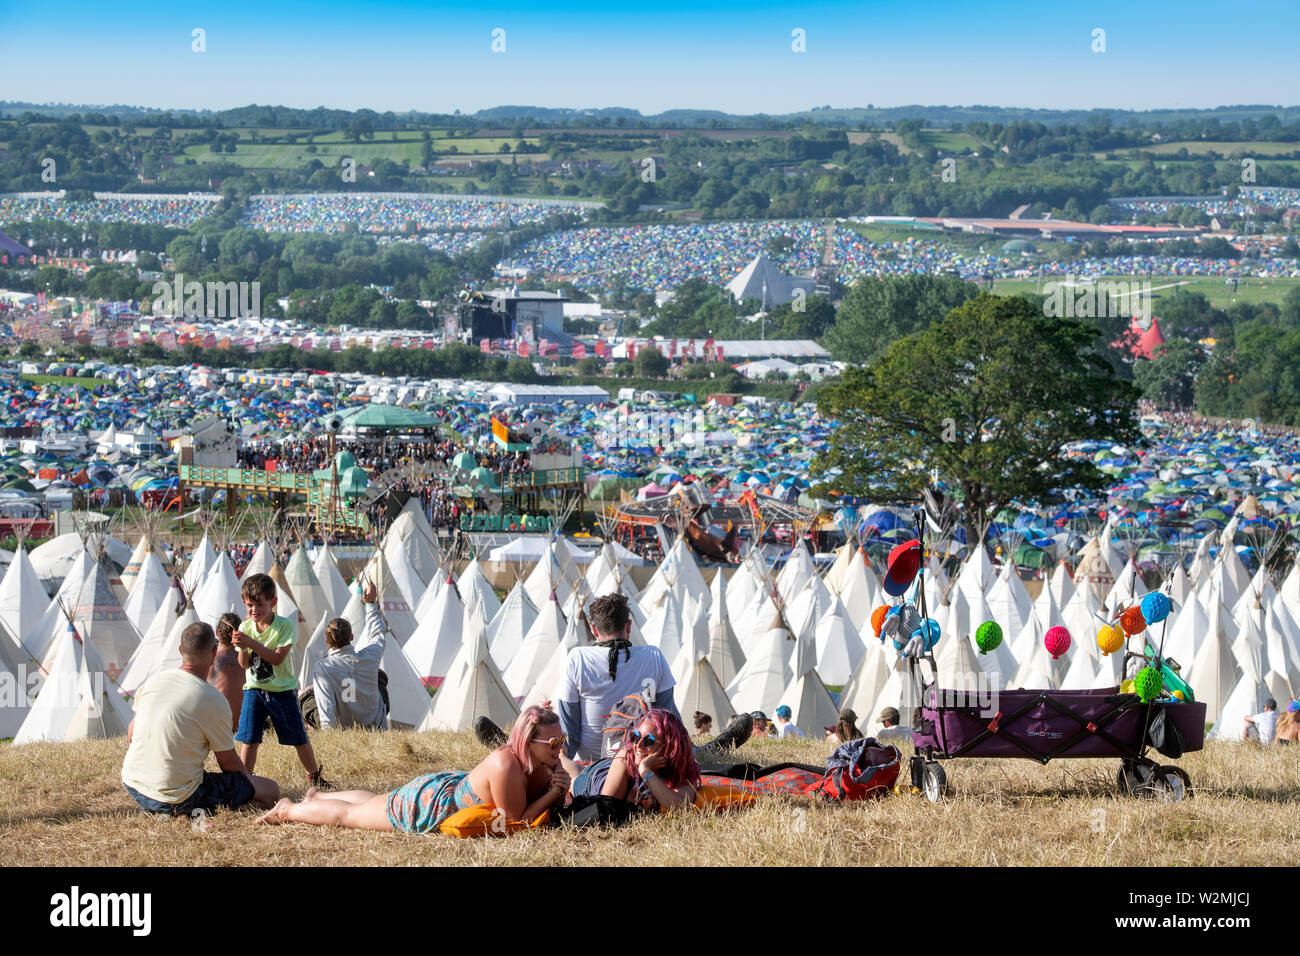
x=878, y=311
x=981, y=401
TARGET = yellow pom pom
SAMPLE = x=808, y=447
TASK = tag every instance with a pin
x=1110, y=639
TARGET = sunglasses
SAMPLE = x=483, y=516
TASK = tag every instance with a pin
x=639, y=738
x=555, y=743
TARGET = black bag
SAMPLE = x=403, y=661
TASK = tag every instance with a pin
x=598, y=811
x=1165, y=735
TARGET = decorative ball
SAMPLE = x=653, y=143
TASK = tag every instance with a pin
x=1132, y=621
x=988, y=636
x=1110, y=638
x=1056, y=640
x=878, y=618
x=1155, y=607
x=929, y=631
x=1126, y=687
x=1148, y=684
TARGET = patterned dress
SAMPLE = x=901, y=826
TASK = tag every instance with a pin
x=423, y=804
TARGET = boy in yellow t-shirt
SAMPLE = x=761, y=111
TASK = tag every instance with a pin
x=271, y=690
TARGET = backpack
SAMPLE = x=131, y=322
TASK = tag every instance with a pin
x=1165, y=735
x=594, y=811
x=623, y=719
x=858, y=769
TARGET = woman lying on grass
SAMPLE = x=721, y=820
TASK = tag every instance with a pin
x=522, y=778
x=655, y=766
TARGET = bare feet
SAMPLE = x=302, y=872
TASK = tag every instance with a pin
x=310, y=794
x=276, y=813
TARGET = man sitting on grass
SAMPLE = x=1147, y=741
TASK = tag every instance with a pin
x=179, y=718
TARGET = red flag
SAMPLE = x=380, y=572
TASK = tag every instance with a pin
x=522, y=349
x=485, y=346
x=579, y=350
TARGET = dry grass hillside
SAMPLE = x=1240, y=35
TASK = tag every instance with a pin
x=63, y=804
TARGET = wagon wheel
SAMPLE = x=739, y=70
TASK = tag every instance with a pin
x=1180, y=783
x=1145, y=779
x=934, y=782
x=1133, y=777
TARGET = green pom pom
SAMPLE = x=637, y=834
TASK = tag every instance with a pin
x=988, y=636
x=1148, y=684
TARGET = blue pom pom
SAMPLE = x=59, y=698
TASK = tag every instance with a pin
x=1155, y=607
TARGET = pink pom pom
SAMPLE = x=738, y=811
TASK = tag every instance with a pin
x=1056, y=640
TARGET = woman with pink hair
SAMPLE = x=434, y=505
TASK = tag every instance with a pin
x=523, y=777
x=655, y=766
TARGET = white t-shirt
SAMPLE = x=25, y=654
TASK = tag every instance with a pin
x=586, y=680
x=1267, y=724
x=179, y=719
x=788, y=730
x=886, y=734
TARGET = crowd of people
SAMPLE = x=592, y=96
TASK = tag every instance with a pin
x=614, y=734
x=311, y=454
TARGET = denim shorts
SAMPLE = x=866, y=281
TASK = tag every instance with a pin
x=229, y=789
x=281, y=707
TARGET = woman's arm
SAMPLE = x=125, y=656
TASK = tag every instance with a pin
x=508, y=788
x=617, y=781
x=667, y=797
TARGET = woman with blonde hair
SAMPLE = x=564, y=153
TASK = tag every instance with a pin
x=522, y=777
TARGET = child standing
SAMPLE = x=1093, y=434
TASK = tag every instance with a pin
x=226, y=674
x=264, y=643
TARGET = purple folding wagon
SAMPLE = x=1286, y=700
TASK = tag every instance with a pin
x=1042, y=725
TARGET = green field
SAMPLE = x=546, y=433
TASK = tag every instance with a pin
x=951, y=142
x=65, y=380
x=282, y=156
x=1201, y=148
x=1252, y=291
x=259, y=156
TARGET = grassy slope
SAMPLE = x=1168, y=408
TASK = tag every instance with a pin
x=1213, y=288
x=64, y=804
x=65, y=380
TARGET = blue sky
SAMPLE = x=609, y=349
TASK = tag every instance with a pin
x=652, y=55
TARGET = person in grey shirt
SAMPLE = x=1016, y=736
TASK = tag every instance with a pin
x=346, y=680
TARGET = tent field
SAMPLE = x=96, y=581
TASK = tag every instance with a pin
x=64, y=803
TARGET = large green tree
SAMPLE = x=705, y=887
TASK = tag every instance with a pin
x=1169, y=377
x=879, y=311
x=983, y=399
